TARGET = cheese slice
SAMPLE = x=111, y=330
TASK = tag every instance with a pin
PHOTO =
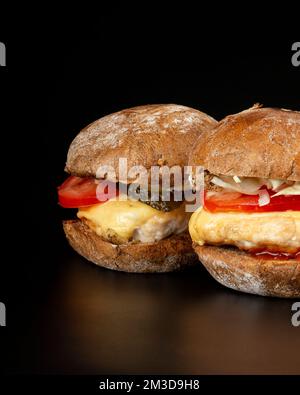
x=120, y=221
x=271, y=230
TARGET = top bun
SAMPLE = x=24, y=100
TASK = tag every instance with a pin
x=258, y=142
x=159, y=134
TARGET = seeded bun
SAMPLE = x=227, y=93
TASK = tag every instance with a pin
x=172, y=253
x=240, y=271
x=149, y=135
x=258, y=142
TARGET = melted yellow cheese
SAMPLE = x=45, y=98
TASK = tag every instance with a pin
x=120, y=221
x=271, y=230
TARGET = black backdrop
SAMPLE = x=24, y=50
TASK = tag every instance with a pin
x=66, y=68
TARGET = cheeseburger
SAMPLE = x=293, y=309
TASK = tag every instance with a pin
x=247, y=233
x=114, y=230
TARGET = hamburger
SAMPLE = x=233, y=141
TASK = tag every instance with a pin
x=113, y=230
x=247, y=233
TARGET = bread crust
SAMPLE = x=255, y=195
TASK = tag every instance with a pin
x=170, y=254
x=258, y=142
x=159, y=134
x=240, y=271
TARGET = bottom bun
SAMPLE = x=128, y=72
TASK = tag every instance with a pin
x=166, y=255
x=240, y=271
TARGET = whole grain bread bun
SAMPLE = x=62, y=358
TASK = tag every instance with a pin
x=170, y=254
x=240, y=271
x=258, y=142
x=160, y=134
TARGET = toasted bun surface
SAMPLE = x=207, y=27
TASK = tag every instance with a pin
x=240, y=271
x=146, y=135
x=258, y=142
x=166, y=255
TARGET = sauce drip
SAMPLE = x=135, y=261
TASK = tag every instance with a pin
x=277, y=256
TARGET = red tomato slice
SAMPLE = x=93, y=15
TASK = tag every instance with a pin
x=232, y=201
x=80, y=192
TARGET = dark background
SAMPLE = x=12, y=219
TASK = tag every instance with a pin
x=64, y=70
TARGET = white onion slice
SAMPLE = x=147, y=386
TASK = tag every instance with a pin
x=252, y=186
x=220, y=183
x=275, y=184
x=248, y=186
x=264, y=197
x=237, y=179
x=290, y=190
